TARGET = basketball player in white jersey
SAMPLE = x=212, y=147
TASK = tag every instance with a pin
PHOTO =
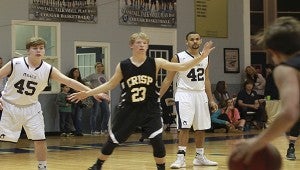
x=27, y=78
x=193, y=97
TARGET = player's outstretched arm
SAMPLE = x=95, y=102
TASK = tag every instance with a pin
x=165, y=64
x=109, y=85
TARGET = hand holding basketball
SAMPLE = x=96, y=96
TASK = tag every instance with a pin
x=267, y=158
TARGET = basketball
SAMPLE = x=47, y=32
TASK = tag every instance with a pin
x=268, y=158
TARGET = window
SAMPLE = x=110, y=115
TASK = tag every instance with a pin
x=50, y=31
x=86, y=62
x=256, y=16
x=288, y=8
x=88, y=53
x=160, y=51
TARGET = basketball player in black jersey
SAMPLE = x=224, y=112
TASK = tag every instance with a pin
x=139, y=105
x=281, y=40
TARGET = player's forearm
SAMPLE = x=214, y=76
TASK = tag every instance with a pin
x=208, y=91
x=74, y=84
x=104, y=88
x=191, y=63
x=279, y=126
x=164, y=87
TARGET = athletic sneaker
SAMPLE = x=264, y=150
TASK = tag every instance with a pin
x=95, y=133
x=94, y=167
x=42, y=167
x=203, y=161
x=63, y=135
x=179, y=163
x=290, y=155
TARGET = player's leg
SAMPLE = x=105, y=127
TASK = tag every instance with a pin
x=201, y=122
x=120, y=128
x=40, y=149
x=292, y=137
x=106, y=151
x=159, y=151
x=35, y=130
x=152, y=128
x=185, y=114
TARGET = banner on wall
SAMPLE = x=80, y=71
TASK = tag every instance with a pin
x=152, y=13
x=211, y=18
x=82, y=11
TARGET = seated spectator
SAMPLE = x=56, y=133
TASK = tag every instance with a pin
x=258, y=80
x=221, y=93
x=248, y=101
x=271, y=88
x=219, y=119
x=234, y=115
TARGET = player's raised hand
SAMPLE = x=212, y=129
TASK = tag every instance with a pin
x=208, y=47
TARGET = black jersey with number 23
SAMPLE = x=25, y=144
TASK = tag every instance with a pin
x=139, y=83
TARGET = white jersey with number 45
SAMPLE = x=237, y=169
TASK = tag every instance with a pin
x=24, y=84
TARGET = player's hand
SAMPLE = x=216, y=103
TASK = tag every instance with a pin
x=244, y=150
x=214, y=106
x=208, y=47
x=102, y=96
x=76, y=97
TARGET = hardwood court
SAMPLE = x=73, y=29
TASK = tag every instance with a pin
x=78, y=153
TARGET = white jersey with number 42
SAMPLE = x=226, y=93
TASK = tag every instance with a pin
x=194, y=78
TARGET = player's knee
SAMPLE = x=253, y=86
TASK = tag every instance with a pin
x=294, y=133
x=159, y=150
x=108, y=148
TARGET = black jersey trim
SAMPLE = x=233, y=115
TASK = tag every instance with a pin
x=49, y=75
x=12, y=68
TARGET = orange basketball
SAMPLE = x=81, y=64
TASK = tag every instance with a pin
x=268, y=158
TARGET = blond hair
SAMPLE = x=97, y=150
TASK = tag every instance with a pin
x=140, y=35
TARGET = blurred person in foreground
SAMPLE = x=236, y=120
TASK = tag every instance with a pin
x=281, y=40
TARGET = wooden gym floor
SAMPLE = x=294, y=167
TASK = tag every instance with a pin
x=78, y=153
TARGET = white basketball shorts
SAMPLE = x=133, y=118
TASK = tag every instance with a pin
x=14, y=117
x=192, y=110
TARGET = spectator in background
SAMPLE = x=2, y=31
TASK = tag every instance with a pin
x=100, y=107
x=227, y=117
x=271, y=88
x=65, y=111
x=221, y=94
x=219, y=119
x=234, y=115
x=76, y=107
x=258, y=79
x=248, y=100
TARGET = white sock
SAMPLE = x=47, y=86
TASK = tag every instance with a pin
x=200, y=151
x=42, y=165
x=182, y=148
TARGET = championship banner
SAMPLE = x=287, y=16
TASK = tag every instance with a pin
x=150, y=13
x=82, y=11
